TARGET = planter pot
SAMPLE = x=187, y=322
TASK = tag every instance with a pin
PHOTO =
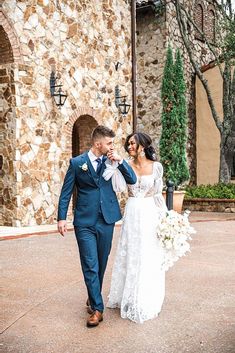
x=178, y=198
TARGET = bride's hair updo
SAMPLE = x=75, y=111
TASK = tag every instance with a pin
x=144, y=140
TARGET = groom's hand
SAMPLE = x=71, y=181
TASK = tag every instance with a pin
x=62, y=227
x=113, y=156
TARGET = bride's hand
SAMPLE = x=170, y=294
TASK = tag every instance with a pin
x=114, y=157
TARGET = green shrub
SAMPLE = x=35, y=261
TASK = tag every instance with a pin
x=174, y=121
x=216, y=191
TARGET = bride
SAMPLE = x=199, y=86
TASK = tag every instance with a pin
x=138, y=283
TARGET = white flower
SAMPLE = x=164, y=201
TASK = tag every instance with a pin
x=168, y=244
x=84, y=167
x=173, y=233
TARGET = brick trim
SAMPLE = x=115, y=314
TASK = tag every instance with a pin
x=211, y=33
x=211, y=7
x=200, y=2
x=196, y=19
x=12, y=36
x=208, y=66
x=76, y=115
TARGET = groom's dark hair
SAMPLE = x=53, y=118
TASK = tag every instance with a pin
x=101, y=131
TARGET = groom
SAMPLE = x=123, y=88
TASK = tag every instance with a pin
x=95, y=214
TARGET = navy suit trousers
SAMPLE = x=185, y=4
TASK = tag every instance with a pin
x=94, y=245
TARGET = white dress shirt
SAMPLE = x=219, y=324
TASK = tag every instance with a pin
x=93, y=158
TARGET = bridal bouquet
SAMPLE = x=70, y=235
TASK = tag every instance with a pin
x=174, y=231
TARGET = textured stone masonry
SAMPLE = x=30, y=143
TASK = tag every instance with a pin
x=210, y=205
x=81, y=41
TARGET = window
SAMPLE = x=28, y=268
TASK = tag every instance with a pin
x=211, y=26
x=198, y=19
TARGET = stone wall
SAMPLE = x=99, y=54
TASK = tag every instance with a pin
x=151, y=52
x=81, y=41
x=8, y=199
x=155, y=33
x=201, y=53
x=210, y=205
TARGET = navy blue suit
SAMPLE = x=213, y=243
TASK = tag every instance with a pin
x=95, y=214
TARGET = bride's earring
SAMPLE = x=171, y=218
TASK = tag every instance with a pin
x=142, y=153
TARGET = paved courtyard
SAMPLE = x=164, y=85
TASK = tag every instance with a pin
x=43, y=299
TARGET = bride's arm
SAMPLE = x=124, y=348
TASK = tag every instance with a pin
x=158, y=186
x=120, y=174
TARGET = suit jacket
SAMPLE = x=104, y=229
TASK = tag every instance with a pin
x=94, y=193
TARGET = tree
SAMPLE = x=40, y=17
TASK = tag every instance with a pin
x=224, y=55
x=174, y=121
x=181, y=113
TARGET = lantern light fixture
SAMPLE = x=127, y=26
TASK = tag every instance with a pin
x=56, y=91
x=120, y=102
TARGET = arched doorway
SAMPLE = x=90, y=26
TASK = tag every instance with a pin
x=7, y=132
x=81, y=137
x=6, y=56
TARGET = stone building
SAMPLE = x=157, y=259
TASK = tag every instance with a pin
x=80, y=42
x=157, y=28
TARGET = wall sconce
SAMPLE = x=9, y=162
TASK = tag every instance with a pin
x=120, y=102
x=58, y=95
x=117, y=65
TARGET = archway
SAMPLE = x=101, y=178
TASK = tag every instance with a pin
x=6, y=51
x=81, y=134
x=9, y=42
x=81, y=138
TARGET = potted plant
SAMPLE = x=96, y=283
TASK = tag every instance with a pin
x=174, y=126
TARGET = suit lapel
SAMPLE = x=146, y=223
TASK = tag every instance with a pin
x=91, y=169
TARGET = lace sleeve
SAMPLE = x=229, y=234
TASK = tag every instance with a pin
x=158, y=186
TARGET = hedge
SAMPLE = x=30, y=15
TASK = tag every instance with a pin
x=216, y=191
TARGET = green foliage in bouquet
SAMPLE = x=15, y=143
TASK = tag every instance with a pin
x=174, y=121
x=217, y=191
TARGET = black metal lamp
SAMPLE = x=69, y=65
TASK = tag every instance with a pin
x=120, y=102
x=124, y=106
x=56, y=91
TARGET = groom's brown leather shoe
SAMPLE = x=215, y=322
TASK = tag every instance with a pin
x=88, y=307
x=95, y=318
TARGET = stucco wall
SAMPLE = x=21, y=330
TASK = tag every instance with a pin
x=208, y=138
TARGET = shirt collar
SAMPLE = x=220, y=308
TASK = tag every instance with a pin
x=93, y=157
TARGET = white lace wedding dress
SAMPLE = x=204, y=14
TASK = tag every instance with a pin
x=138, y=283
